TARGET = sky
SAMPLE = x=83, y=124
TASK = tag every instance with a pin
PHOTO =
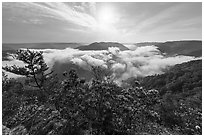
x=83, y=22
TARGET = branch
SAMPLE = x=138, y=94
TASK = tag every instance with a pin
x=49, y=73
x=35, y=78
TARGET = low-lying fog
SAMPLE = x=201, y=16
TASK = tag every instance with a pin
x=143, y=61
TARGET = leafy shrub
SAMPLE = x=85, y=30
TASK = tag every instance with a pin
x=100, y=106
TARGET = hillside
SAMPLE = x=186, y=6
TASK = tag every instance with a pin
x=188, y=48
x=181, y=91
x=183, y=79
x=147, y=43
x=102, y=46
x=171, y=48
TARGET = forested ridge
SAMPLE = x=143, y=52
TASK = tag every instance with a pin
x=182, y=78
x=170, y=103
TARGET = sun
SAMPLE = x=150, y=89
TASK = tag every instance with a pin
x=106, y=17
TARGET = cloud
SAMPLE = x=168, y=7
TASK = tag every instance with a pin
x=95, y=58
x=173, y=17
x=93, y=61
x=141, y=62
x=80, y=63
x=59, y=11
x=114, y=50
x=129, y=22
x=166, y=14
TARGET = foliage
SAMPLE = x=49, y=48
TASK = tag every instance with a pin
x=104, y=108
x=102, y=74
x=99, y=107
x=34, y=68
x=19, y=130
x=11, y=92
x=181, y=90
x=181, y=78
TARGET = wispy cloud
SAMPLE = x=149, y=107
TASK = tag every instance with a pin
x=170, y=18
x=122, y=22
x=184, y=25
x=60, y=11
x=162, y=16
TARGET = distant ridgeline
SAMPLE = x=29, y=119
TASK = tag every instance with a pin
x=171, y=48
x=102, y=46
x=187, y=48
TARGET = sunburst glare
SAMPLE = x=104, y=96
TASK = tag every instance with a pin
x=106, y=18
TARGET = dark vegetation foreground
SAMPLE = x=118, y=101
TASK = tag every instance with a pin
x=42, y=104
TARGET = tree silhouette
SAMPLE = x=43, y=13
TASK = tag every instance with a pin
x=35, y=67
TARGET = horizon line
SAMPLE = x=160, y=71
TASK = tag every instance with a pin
x=99, y=41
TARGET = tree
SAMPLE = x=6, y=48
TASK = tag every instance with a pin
x=35, y=68
x=102, y=74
